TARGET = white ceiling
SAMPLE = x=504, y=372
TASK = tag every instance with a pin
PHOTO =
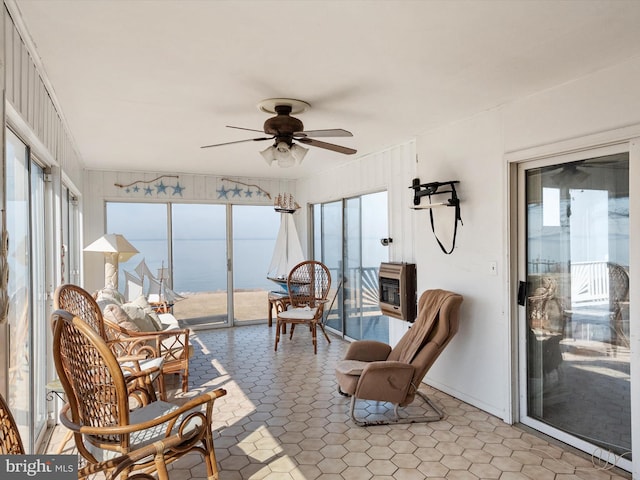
x=143, y=84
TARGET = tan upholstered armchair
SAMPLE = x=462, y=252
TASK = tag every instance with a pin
x=373, y=370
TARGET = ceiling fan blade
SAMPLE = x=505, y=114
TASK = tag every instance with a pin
x=259, y=139
x=336, y=132
x=242, y=128
x=327, y=146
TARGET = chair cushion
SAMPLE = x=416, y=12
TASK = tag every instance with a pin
x=109, y=295
x=115, y=314
x=351, y=367
x=147, y=436
x=146, y=364
x=139, y=317
x=300, y=313
x=142, y=302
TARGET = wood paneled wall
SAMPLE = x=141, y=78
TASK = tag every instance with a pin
x=28, y=95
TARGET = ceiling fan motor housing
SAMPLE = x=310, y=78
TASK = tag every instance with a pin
x=283, y=126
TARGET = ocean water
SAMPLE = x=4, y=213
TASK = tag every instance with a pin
x=201, y=265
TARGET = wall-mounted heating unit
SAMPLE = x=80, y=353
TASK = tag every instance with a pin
x=397, y=292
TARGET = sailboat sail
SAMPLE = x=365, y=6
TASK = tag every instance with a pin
x=158, y=290
x=287, y=252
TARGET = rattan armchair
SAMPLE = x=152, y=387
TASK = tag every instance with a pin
x=10, y=441
x=308, y=285
x=98, y=410
x=134, y=355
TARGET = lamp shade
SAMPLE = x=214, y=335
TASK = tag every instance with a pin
x=298, y=152
x=116, y=249
x=113, y=243
x=284, y=154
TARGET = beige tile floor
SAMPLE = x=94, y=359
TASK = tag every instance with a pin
x=284, y=419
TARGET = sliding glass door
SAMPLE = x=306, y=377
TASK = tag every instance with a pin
x=347, y=237
x=365, y=225
x=27, y=290
x=575, y=333
x=255, y=229
x=200, y=266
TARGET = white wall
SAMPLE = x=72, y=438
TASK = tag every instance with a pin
x=474, y=365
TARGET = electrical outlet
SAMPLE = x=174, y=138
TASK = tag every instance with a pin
x=493, y=268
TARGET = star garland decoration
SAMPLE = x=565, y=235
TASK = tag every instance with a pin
x=160, y=188
x=236, y=191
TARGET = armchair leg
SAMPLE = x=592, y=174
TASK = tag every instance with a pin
x=324, y=332
x=278, y=327
x=185, y=381
x=433, y=416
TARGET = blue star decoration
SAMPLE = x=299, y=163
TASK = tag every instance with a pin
x=222, y=193
x=258, y=193
x=236, y=191
x=136, y=188
x=127, y=190
x=177, y=190
x=248, y=193
x=148, y=191
x=161, y=187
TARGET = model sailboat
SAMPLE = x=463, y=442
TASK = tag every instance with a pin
x=288, y=251
x=158, y=290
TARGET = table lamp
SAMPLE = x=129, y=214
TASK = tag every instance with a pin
x=116, y=249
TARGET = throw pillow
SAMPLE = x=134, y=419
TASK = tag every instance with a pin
x=142, y=302
x=139, y=317
x=115, y=314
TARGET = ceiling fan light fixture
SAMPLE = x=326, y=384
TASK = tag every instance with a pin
x=298, y=153
x=269, y=154
x=284, y=155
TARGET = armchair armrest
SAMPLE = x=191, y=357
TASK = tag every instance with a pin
x=170, y=417
x=157, y=423
x=170, y=344
x=386, y=381
x=367, y=351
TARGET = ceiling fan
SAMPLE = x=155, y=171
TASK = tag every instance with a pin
x=285, y=130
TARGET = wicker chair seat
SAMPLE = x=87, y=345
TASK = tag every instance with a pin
x=304, y=314
x=142, y=438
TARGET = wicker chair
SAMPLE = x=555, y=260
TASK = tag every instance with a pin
x=10, y=441
x=308, y=285
x=167, y=349
x=98, y=408
x=11, y=444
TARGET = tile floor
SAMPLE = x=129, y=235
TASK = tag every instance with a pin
x=283, y=418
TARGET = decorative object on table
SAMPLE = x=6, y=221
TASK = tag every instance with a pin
x=432, y=189
x=287, y=252
x=284, y=203
x=158, y=291
x=374, y=371
x=285, y=129
x=116, y=249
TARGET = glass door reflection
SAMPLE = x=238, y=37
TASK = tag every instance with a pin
x=577, y=313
